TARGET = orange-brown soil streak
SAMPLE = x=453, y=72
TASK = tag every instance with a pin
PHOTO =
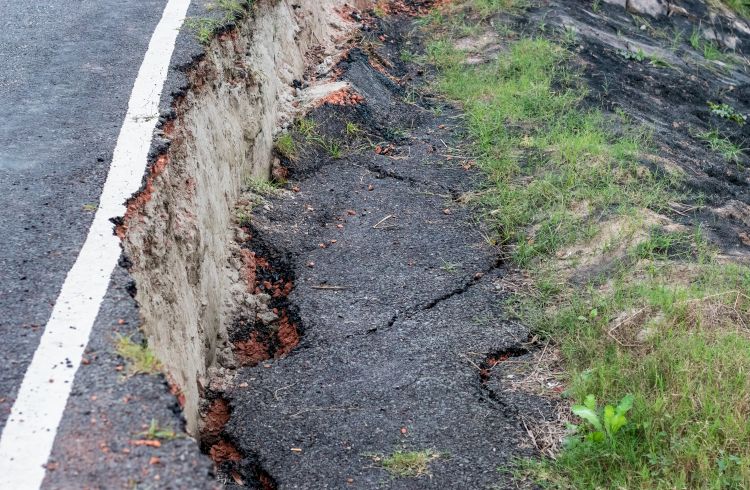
x=343, y=97
x=283, y=334
x=224, y=451
x=216, y=417
x=136, y=203
x=252, y=351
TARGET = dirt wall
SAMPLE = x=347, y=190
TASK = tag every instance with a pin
x=178, y=234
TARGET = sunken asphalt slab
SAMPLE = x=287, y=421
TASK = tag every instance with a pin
x=409, y=309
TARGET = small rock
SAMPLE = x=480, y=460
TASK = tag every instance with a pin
x=653, y=8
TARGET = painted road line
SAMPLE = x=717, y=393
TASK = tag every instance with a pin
x=29, y=434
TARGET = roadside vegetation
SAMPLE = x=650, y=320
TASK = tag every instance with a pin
x=407, y=464
x=139, y=358
x=226, y=12
x=651, y=324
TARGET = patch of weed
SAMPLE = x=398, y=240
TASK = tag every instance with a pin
x=156, y=432
x=203, y=27
x=352, y=129
x=140, y=359
x=450, y=266
x=206, y=27
x=741, y=7
x=285, y=146
x=262, y=187
x=724, y=146
x=306, y=126
x=408, y=464
x=726, y=111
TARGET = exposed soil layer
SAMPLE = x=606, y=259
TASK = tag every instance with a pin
x=398, y=292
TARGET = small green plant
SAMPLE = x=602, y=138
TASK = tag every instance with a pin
x=286, y=147
x=707, y=48
x=570, y=36
x=695, y=39
x=711, y=51
x=450, y=266
x=306, y=126
x=596, y=6
x=727, y=112
x=407, y=56
x=676, y=40
x=331, y=146
x=203, y=27
x=262, y=187
x=156, y=432
x=721, y=145
x=637, y=55
x=140, y=359
x=409, y=464
x=602, y=424
x=334, y=149
x=90, y=207
x=352, y=129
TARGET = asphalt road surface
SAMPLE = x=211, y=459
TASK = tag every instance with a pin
x=67, y=68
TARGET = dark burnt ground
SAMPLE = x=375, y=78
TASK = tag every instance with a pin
x=397, y=298
x=673, y=101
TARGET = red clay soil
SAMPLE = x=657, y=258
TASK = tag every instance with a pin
x=343, y=97
x=252, y=351
x=136, y=203
x=288, y=336
x=224, y=451
x=216, y=417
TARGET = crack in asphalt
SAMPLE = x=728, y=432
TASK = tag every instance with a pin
x=413, y=310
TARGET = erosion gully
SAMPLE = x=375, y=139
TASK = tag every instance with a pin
x=356, y=310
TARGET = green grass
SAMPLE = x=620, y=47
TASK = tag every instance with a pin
x=707, y=48
x=156, y=432
x=285, y=146
x=140, y=359
x=721, y=145
x=206, y=27
x=306, y=126
x=741, y=7
x=408, y=464
x=682, y=351
x=666, y=322
x=544, y=154
x=203, y=27
x=262, y=187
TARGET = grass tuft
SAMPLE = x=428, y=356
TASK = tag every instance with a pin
x=408, y=464
x=286, y=147
x=140, y=359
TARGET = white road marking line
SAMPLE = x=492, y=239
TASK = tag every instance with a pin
x=30, y=432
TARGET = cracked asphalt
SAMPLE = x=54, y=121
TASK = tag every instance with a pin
x=398, y=297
